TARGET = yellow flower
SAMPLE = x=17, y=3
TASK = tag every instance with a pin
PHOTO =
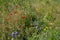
x=45, y=28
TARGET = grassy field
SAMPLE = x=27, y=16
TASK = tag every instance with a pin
x=29, y=19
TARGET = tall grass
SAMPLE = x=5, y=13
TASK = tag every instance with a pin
x=29, y=20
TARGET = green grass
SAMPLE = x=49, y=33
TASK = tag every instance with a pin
x=32, y=19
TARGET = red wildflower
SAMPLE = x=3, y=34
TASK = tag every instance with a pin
x=10, y=14
x=22, y=17
x=15, y=12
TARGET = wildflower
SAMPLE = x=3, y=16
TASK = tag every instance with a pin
x=10, y=14
x=15, y=12
x=14, y=34
x=22, y=17
x=45, y=28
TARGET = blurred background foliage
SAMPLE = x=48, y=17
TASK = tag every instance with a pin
x=29, y=20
